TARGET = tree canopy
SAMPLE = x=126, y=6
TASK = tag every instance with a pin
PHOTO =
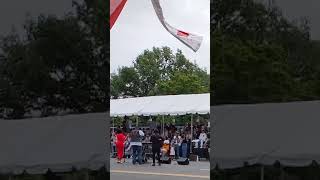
x=159, y=72
x=57, y=65
x=258, y=55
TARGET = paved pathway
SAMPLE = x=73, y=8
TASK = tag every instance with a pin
x=173, y=171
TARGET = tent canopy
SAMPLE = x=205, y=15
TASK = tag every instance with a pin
x=161, y=105
x=57, y=143
x=266, y=133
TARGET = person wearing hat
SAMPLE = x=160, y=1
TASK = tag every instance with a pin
x=157, y=142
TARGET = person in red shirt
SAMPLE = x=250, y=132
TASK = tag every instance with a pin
x=120, y=141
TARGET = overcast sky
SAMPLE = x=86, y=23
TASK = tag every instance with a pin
x=293, y=9
x=138, y=28
x=13, y=12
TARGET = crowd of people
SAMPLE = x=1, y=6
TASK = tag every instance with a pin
x=172, y=141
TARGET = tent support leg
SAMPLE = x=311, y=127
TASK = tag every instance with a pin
x=137, y=122
x=113, y=125
x=191, y=133
x=262, y=173
x=87, y=175
x=163, y=125
x=282, y=175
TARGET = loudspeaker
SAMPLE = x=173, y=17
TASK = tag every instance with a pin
x=183, y=161
x=193, y=157
x=165, y=160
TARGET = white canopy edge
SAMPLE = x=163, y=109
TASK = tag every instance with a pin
x=58, y=143
x=161, y=105
x=265, y=133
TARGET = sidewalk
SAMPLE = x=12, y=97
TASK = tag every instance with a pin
x=200, y=168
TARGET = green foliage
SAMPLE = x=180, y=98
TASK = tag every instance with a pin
x=159, y=72
x=58, y=65
x=126, y=83
x=260, y=56
x=182, y=83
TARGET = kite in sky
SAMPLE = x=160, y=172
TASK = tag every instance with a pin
x=193, y=41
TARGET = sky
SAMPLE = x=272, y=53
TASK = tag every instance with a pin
x=294, y=9
x=138, y=28
x=13, y=12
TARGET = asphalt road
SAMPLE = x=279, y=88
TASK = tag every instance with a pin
x=195, y=170
x=123, y=176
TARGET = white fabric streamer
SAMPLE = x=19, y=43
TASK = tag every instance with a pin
x=191, y=40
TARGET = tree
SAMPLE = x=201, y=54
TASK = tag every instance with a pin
x=60, y=65
x=126, y=84
x=182, y=83
x=159, y=72
x=249, y=72
x=260, y=56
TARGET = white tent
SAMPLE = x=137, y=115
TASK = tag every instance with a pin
x=266, y=133
x=161, y=105
x=58, y=143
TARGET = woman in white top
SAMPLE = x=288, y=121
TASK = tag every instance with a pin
x=202, y=138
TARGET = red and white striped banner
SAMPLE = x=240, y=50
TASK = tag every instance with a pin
x=116, y=7
x=191, y=40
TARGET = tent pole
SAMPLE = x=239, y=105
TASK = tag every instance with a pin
x=113, y=125
x=191, y=133
x=282, y=177
x=163, y=125
x=87, y=175
x=262, y=173
x=137, y=121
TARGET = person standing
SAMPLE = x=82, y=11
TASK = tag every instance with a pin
x=157, y=142
x=120, y=140
x=179, y=146
x=174, y=147
x=184, y=147
x=136, y=145
x=128, y=147
x=113, y=144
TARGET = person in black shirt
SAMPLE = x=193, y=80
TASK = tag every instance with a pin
x=157, y=142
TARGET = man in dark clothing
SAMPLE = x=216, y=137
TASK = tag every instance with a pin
x=124, y=126
x=157, y=142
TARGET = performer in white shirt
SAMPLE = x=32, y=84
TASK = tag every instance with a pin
x=203, y=137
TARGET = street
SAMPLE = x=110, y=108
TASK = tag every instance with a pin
x=195, y=170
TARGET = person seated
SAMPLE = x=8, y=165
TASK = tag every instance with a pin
x=202, y=138
x=165, y=148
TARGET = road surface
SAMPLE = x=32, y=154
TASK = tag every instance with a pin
x=128, y=171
